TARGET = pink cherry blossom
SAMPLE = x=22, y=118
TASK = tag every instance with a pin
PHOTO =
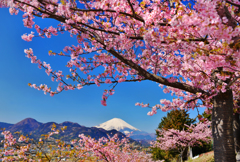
x=191, y=52
x=28, y=37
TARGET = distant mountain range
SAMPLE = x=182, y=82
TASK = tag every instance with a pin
x=35, y=129
x=114, y=126
x=124, y=127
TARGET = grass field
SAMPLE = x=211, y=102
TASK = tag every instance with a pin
x=206, y=157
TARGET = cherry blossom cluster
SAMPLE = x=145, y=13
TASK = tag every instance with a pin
x=176, y=139
x=9, y=153
x=111, y=149
x=191, y=52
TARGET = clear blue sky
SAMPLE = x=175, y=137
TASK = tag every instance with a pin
x=18, y=101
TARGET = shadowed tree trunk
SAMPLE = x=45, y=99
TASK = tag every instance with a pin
x=222, y=127
x=236, y=132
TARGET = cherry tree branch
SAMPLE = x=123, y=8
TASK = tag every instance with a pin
x=154, y=77
x=234, y=4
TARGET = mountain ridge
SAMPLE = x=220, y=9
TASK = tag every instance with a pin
x=35, y=129
x=26, y=125
x=113, y=126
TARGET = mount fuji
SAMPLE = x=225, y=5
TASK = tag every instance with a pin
x=122, y=126
x=118, y=124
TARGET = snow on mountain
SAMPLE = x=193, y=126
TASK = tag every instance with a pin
x=126, y=128
x=117, y=124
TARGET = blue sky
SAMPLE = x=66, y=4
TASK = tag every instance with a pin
x=18, y=101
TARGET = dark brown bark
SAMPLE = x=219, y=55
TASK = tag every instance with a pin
x=236, y=132
x=222, y=127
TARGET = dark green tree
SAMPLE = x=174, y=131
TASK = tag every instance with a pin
x=176, y=119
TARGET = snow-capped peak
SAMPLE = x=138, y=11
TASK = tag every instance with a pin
x=117, y=124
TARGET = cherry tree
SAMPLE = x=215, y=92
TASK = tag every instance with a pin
x=110, y=149
x=181, y=140
x=192, y=52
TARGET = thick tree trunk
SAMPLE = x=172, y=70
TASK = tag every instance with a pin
x=236, y=132
x=222, y=127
